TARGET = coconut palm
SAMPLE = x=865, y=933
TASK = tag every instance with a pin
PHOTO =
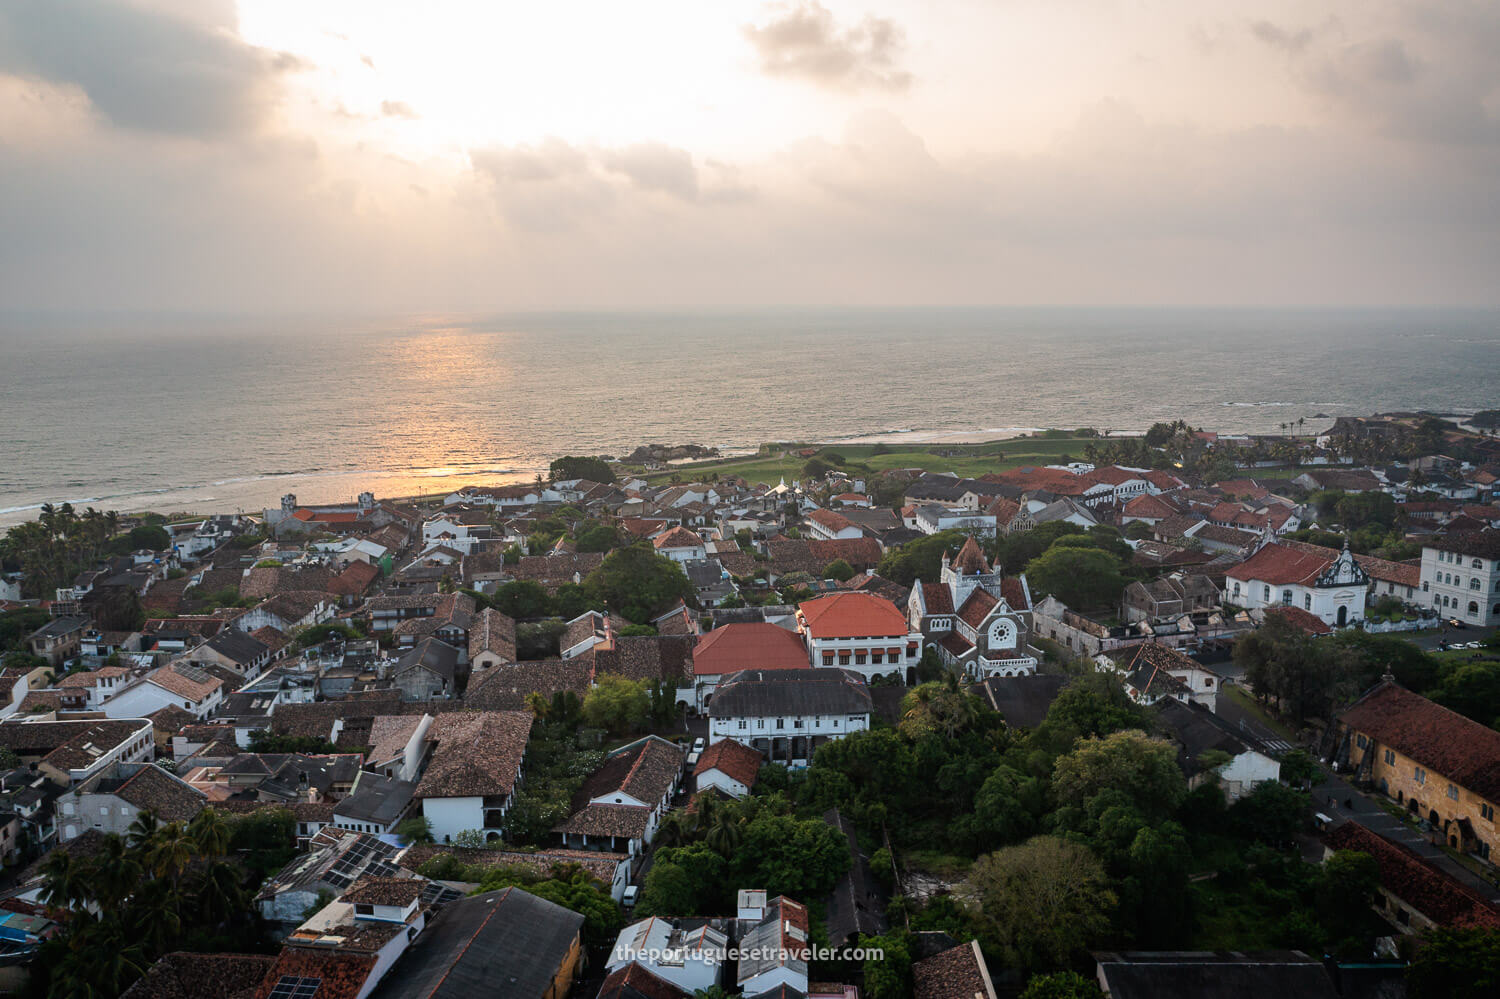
x=116, y=872
x=725, y=834
x=170, y=852
x=143, y=830
x=220, y=894
x=209, y=833
x=65, y=880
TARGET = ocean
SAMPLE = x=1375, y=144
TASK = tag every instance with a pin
x=176, y=412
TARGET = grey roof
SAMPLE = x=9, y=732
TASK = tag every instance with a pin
x=505, y=942
x=60, y=626
x=1197, y=730
x=1213, y=975
x=857, y=902
x=238, y=646
x=376, y=799
x=430, y=654
x=1023, y=701
x=766, y=693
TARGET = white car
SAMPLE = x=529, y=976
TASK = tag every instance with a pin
x=698, y=745
x=628, y=899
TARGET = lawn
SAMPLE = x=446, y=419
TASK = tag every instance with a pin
x=969, y=460
x=1246, y=700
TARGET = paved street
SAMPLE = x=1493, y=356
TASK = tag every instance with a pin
x=1429, y=640
x=1330, y=799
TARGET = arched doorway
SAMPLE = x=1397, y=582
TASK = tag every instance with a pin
x=1343, y=617
x=1432, y=817
x=1474, y=608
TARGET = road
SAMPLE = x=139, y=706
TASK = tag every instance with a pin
x=1429, y=640
x=1330, y=799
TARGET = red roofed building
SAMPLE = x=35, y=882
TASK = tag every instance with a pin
x=749, y=645
x=1278, y=575
x=680, y=545
x=728, y=765
x=859, y=631
x=1414, y=895
x=828, y=525
x=975, y=618
x=1435, y=762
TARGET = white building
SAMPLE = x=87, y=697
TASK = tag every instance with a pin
x=1331, y=589
x=471, y=779
x=975, y=618
x=1461, y=576
x=930, y=518
x=859, y=631
x=692, y=960
x=787, y=714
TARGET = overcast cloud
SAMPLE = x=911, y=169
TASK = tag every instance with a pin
x=154, y=159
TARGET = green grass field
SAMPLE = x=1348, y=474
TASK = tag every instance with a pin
x=970, y=460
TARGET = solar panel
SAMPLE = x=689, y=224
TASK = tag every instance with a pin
x=295, y=987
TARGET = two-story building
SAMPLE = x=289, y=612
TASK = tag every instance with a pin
x=1461, y=576
x=471, y=779
x=1436, y=763
x=788, y=714
x=859, y=631
x=620, y=805
x=1277, y=575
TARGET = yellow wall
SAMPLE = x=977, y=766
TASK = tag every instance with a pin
x=1432, y=794
x=566, y=972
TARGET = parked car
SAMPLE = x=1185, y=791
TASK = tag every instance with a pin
x=698, y=744
x=1454, y=622
x=628, y=899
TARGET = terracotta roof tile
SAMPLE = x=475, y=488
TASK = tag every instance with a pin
x=753, y=645
x=852, y=614
x=1441, y=898
x=734, y=759
x=1443, y=741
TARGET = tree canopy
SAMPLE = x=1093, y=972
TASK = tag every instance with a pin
x=637, y=583
x=571, y=467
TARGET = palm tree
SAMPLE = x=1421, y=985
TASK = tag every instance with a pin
x=116, y=873
x=725, y=834
x=156, y=915
x=65, y=880
x=170, y=852
x=671, y=832
x=143, y=830
x=220, y=895
x=209, y=833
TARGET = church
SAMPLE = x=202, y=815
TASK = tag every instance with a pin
x=976, y=618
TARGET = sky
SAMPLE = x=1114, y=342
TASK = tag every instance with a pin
x=372, y=155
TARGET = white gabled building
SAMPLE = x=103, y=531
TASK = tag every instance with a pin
x=1279, y=576
x=1461, y=576
x=974, y=617
x=788, y=714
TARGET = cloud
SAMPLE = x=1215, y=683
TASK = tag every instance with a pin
x=1280, y=38
x=654, y=166
x=398, y=109
x=177, y=69
x=803, y=41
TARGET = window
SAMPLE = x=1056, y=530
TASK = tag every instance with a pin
x=1361, y=741
x=1307, y=601
x=1453, y=792
x=760, y=723
x=744, y=724
x=360, y=909
x=1265, y=592
x=1426, y=587
x=781, y=723
x=1390, y=757
x=1420, y=775
x=1286, y=598
x=1487, y=812
x=1474, y=583
x=1236, y=589
x=797, y=723
x=1483, y=849
x=1476, y=564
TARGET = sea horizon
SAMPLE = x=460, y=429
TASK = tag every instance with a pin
x=185, y=411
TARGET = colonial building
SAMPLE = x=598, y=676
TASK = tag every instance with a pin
x=1435, y=762
x=975, y=618
x=1461, y=576
x=1278, y=575
x=788, y=714
x=859, y=631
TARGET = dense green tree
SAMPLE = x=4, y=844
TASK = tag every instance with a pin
x=888, y=976
x=1346, y=887
x=1081, y=577
x=617, y=704
x=838, y=569
x=1305, y=676
x=1271, y=813
x=571, y=467
x=1007, y=806
x=522, y=598
x=920, y=558
x=1061, y=985
x=1455, y=964
x=595, y=537
x=1128, y=762
x=636, y=583
x=1042, y=903
x=1092, y=704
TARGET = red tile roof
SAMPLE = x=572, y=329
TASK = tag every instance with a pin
x=678, y=537
x=1441, y=898
x=733, y=759
x=1280, y=565
x=977, y=608
x=1443, y=741
x=1305, y=621
x=861, y=553
x=1150, y=507
x=852, y=614
x=834, y=522
x=970, y=560
x=938, y=598
x=753, y=645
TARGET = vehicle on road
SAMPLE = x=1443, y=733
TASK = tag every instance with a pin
x=1454, y=622
x=628, y=899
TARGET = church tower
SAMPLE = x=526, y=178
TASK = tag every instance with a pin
x=968, y=571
